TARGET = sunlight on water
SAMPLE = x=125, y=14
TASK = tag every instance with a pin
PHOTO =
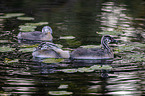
x=114, y=19
x=125, y=84
x=26, y=85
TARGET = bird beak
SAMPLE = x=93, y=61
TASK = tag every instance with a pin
x=49, y=32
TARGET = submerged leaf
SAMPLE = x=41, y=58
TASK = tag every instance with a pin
x=136, y=57
x=27, y=28
x=138, y=45
x=28, y=46
x=31, y=26
x=129, y=46
x=67, y=37
x=63, y=87
x=14, y=14
x=10, y=15
x=52, y=60
x=139, y=59
x=25, y=18
x=27, y=49
x=84, y=69
x=6, y=49
x=11, y=61
x=36, y=24
x=124, y=48
x=69, y=70
x=90, y=46
x=94, y=67
x=106, y=67
x=5, y=41
x=59, y=93
x=87, y=69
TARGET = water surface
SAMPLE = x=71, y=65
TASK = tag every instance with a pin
x=87, y=21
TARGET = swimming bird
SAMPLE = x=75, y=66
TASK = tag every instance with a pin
x=95, y=53
x=50, y=50
x=45, y=35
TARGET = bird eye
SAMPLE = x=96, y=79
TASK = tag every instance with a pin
x=46, y=30
x=108, y=40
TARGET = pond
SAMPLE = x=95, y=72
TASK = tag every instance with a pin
x=75, y=23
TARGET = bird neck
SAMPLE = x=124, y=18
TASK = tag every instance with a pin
x=105, y=45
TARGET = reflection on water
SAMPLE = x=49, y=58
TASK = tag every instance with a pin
x=22, y=75
x=115, y=20
x=124, y=84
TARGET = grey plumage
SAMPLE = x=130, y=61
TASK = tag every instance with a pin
x=37, y=35
x=95, y=53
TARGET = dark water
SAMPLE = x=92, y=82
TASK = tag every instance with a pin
x=87, y=21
